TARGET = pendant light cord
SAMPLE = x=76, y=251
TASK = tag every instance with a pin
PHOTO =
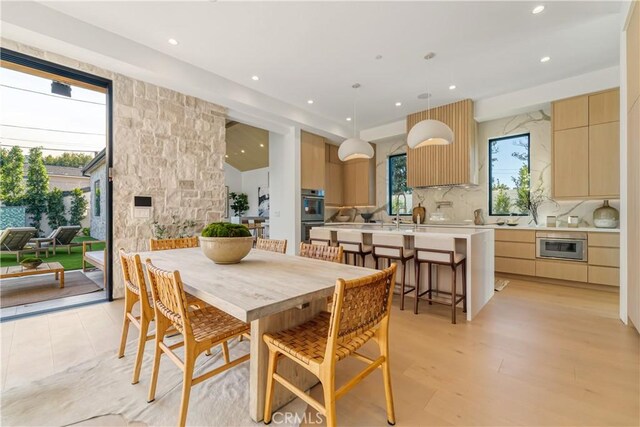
x=355, y=110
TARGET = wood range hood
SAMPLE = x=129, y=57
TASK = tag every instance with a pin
x=445, y=165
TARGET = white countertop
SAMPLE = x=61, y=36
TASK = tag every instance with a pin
x=473, y=226
x=407, y=230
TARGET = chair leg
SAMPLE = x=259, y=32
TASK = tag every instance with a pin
x=430, y=278
x=268, y=400
x=225, y=351
x=142, y=341
x=383, y=343
x=328, y=387
x=415, y=303
x=189, y=363
x=453, y=295
x=161, y=328
x=464, y=285
x=129, y=301
x=404, y=271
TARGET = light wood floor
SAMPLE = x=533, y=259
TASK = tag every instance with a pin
x=536, y=355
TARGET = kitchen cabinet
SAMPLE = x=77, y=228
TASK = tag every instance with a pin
x=571, y=163
x=571, y=113
x=562, y=270
x=312, y=161
x=586, y=146
x=604, y=258
x=334, y=177
x=446, y=164
x=515, y=252
x=359, y=184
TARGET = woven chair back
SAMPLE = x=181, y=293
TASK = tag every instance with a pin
x=323, y=252
x=169, y=298
x=134, y=278
x=272, y=245
x=360, y=304
x=179, y=243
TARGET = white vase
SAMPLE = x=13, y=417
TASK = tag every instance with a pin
x=235, y=220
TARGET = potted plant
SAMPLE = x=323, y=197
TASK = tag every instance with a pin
x=226, y=243
x=239, y=205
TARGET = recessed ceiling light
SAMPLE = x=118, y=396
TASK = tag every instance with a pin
x=545, y=59
x=310, y=101
x=452, y=87
x=261, y=145
x=242, y=151
x=255, y=78
x=398, y=104
x=536, y=10
x=348, y=119
x=173, y=42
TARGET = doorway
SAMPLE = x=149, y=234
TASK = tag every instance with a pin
x=55, y=189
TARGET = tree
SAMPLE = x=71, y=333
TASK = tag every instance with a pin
x=75, y=160
x=37, y=187
x=522, y=185
x=502, y=203
x=55, y=209
x=11, y=177
x=78, y=210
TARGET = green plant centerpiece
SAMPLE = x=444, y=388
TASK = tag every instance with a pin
x=31, y=263
x=226, y=243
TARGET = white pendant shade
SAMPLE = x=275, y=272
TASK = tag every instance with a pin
x=429, y=132
x=355, y=148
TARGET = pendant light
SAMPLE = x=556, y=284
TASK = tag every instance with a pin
x=429, y=132
x=355, y=148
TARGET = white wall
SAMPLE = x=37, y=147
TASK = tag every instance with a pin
x=232, y=178
x=284, y=163
x=246, y=182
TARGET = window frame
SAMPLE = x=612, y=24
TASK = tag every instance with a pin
x=490, y=169
x=389, y=185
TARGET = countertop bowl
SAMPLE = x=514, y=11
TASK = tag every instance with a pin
x=342, y=218
x=226, y=250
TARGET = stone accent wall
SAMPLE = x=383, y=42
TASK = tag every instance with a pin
x=99, y=223
x=167, y=145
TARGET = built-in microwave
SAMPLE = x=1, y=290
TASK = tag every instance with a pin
x=568, y=246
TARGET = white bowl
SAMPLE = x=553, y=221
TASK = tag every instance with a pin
x=343, y=218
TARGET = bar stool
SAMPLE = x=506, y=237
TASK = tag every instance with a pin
x=391, y=247
x=320, y=236
x=440, y=250
x=352, y=242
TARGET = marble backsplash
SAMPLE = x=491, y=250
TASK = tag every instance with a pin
x=465, y=200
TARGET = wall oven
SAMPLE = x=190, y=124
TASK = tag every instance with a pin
x=569, y=246
x=306, y=228
x=312, y=206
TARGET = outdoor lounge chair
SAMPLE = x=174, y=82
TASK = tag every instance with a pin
x=14, y=241
x=63, y=236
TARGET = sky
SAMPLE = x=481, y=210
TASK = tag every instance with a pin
x=506, y=165
x=62, y=123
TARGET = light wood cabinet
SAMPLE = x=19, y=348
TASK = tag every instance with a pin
x=604, y=258
x=515, y=235
x=515, y=252
x=586, y=146
x=604, y=276
x=571, y=113
x=571, y=271
x=446, y=164
x=359, y=182
x=524, y=267
x=604, y=160
x=312, y=161
x=571, y=163
x=334, y=178
x=605, y=240
x=604, y=107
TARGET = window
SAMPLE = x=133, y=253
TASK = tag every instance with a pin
x=96, y=198
x=399, y=194
x=509, y=175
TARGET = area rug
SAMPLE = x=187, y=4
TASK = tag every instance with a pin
x=32, y=289
x=500, y=284
x=99, y=392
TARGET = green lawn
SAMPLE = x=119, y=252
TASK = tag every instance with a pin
x=69, y=262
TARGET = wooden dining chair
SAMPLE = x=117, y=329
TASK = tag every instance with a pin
x=360, y=312
x=323, y=252
x=201, y=330
x=272, y=245
x=179, y=243
x=136, y=291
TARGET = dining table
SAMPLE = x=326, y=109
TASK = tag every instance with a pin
x=268, y=290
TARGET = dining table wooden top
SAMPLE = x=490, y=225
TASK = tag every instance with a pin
x=262, y=284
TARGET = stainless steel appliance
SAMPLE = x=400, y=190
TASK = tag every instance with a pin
x=312, y=212
x=306, y=227
x=312, y=205
x=570, y=246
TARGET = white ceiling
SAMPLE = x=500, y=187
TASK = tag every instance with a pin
x=317, y=50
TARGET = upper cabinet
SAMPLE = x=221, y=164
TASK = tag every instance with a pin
x=448, y=164
x=351, y=183
x=312, y=161
x=586, y=146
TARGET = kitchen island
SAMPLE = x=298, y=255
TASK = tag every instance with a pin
x=476, y=244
